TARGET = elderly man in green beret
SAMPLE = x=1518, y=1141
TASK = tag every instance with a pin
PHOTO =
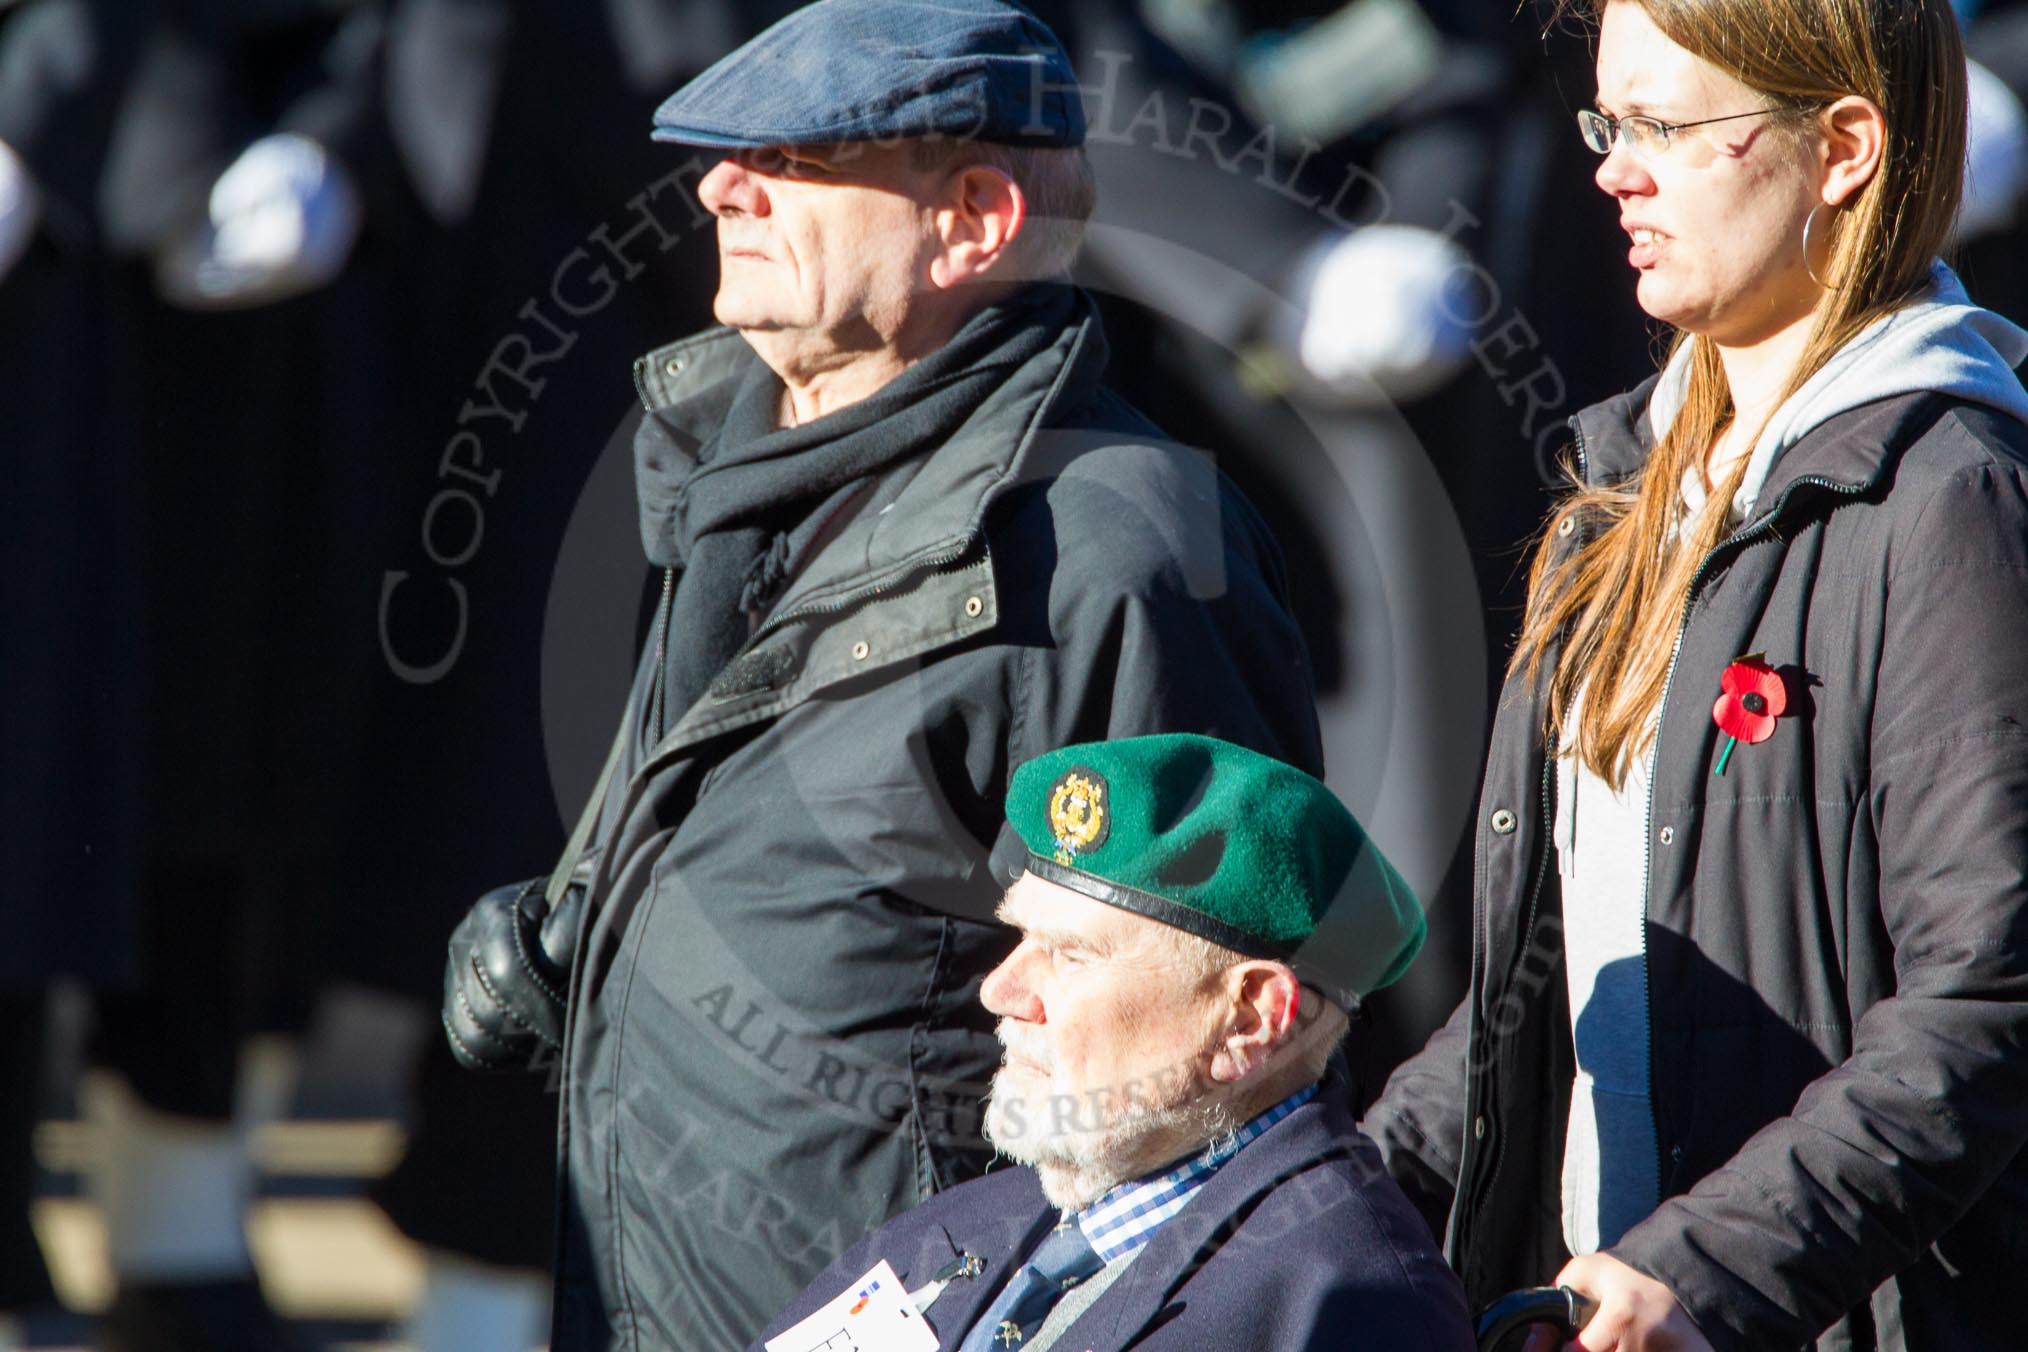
x=1196, y=922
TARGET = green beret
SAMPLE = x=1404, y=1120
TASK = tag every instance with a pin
x=1225, y=843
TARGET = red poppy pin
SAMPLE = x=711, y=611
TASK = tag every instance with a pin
x=1754, y=698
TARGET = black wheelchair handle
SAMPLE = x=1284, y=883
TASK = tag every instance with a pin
x=1556, y=1305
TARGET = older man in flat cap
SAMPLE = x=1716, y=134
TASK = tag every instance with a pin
x=1196, y=920
x=911, y=541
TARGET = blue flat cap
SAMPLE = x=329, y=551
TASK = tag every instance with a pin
x=880, y=70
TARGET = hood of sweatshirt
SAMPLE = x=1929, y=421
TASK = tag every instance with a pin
x=1939, y=342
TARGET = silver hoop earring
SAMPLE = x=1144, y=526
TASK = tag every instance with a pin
x=1810, y=222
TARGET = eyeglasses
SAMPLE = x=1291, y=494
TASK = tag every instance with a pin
x=1647, y=137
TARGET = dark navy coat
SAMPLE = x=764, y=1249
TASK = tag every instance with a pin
x=1300, y=1241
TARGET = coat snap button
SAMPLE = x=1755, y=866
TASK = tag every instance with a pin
x=1503, y=822
x=1668, y=836
x=974, y=607
x=860, y=650
x=1479, y=1127
x=1568, y=526
x=675, y=366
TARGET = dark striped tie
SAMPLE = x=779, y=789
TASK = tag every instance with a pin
x=1058, y=1263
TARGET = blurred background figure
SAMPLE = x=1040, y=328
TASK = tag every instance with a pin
x=1991, y=231
x=257, y=256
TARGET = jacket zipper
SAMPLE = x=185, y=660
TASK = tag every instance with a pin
x=1750, y=535
x=662, y=652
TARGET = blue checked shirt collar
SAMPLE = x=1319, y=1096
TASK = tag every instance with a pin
x=1124, y=1219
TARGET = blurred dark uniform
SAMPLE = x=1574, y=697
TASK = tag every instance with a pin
x=218, y=793
x=449, y=788
x=1994, y=262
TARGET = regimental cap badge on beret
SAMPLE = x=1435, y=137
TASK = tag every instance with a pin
x=1079, y=816
x=1225, y=843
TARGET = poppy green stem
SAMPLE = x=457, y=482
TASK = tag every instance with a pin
x=1730, y=743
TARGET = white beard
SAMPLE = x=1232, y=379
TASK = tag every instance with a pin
x=1084, y=1145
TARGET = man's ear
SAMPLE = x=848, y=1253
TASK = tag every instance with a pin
x=981, y=212
x=1265, y=1001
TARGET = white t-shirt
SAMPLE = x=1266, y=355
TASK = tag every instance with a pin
x=1611, y=1170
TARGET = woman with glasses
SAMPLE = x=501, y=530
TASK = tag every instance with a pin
x=1745, y=1055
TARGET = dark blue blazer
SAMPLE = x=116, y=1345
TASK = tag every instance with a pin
x=1300, y=1241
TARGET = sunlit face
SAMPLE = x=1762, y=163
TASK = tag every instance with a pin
x=1716, y=221
x=820, y=247
x=1108, y=1043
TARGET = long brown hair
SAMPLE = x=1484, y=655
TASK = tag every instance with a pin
x=1608, y=609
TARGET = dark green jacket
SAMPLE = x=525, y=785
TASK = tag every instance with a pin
x=775, y=1038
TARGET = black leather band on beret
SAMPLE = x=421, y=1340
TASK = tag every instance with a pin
x=1157, y=908
x=1190, y=922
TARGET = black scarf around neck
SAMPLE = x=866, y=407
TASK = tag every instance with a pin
x=761, y=494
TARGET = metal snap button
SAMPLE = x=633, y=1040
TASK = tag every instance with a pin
x=1668, y=836
x=675, y=366
x=1479, y=1127
x=974, y=607
x=861, y=650
x=1503, y=822
x=1568, y=526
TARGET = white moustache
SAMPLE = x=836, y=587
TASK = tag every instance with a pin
x=1017, y=1047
